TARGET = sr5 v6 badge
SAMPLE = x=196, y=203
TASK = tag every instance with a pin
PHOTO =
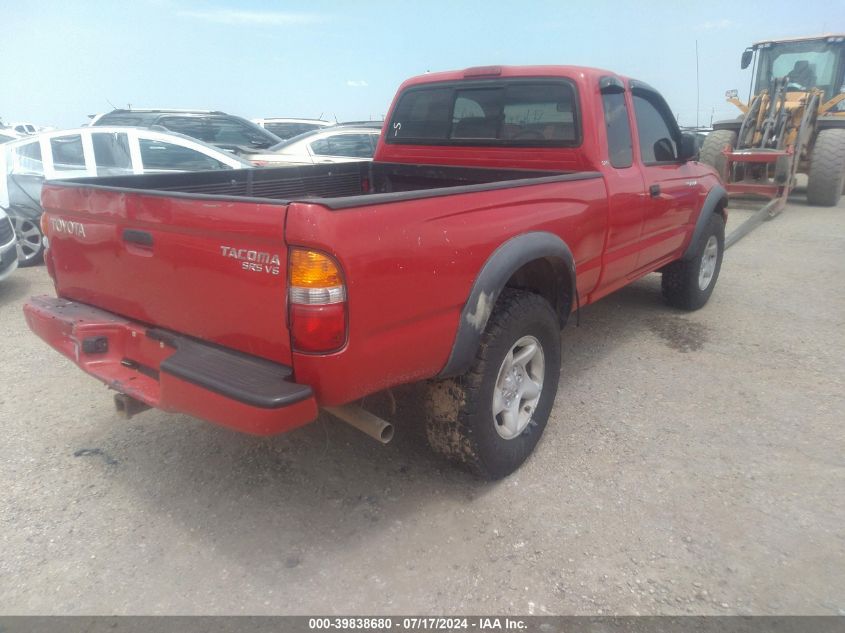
x=255, y=261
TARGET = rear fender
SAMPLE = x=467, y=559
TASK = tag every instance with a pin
x=499, y=268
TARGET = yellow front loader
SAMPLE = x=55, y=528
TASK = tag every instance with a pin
x=794, y=123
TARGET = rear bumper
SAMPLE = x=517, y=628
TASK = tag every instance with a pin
x=172, y=372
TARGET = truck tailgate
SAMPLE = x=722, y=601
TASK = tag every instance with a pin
x=210, y=269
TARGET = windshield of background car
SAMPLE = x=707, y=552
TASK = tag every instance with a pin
x=285, y=130
x=220, y=130
x=160, y=155
x=515, y=113
x=813, y=64
x=140, y=119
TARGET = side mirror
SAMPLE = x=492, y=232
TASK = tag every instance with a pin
x=688, y=148
x=747, y=54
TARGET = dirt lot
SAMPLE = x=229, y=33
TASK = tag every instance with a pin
x=693, y=464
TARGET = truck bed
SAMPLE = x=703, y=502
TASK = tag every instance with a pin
x=340, y=185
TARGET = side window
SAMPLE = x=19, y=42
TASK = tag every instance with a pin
x=160, y=155
x=619, y=145
x=322, y=147
x=657, y=144
x=28, y=160
x=111, y=153
x=67, y=153
x=350, y=145
x=220, y=130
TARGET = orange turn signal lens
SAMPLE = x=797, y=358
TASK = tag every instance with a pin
x=312, y=269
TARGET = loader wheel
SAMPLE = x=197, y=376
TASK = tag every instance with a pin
x=711, y=150
x=490, y=419
x=688, y=284
x=827, y=169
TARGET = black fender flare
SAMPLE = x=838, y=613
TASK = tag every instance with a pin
x=717, y=197
x=508, y=258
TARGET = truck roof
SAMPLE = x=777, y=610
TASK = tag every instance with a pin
x=806, y=38
x=493, y=71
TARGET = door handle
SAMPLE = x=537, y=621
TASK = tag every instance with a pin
x=141, y=238
x=654, y=191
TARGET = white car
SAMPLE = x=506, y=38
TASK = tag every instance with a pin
x=8, y=247
x=337, y=144
x=288, y=128
x=24, y=128
x=90, y=152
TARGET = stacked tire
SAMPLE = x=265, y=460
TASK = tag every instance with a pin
x=711, y=150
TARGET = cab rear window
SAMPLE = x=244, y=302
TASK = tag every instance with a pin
x=513, y=114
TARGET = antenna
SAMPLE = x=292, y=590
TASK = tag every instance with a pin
x=113, y=107
x=697, y=85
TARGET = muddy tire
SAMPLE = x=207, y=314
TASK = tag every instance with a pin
x=688, y=284
x=491, y=418
x=826, y=177
x=711, y=150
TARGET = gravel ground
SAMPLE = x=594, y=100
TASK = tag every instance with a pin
x=693, y=464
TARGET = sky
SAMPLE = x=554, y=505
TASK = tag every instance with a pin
x=61, y=61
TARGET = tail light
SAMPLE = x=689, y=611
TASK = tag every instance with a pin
x=317, y=296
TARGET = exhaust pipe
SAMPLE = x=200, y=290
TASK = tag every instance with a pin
x=127, y=406
x=364, y=421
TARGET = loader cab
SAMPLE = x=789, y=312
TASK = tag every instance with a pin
x=808, y=63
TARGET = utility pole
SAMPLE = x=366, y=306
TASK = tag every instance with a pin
x=696, y=84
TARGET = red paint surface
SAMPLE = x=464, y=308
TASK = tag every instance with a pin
x=408, y=265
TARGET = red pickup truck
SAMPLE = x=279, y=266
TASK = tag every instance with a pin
x=500, y=200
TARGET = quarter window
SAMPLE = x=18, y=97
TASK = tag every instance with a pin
x=657, y=143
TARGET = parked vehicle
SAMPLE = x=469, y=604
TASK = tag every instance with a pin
x=227, y=131
x=500, y=200
x=337, y=144
x=288, y=128
x=8, y=251
x=104, y=151
x=24, y=128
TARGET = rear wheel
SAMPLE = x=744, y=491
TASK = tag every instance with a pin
x=711, y=150
x=688, y=284
x=491, y=418
x=826, y=177
x=30, y=241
